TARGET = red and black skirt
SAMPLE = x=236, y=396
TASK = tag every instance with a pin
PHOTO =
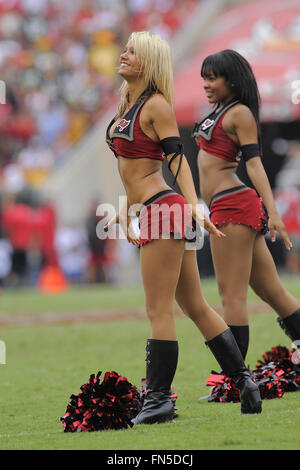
x=165, y=215
x=239, y=205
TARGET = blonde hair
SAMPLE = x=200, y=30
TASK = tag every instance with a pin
x=154, y=58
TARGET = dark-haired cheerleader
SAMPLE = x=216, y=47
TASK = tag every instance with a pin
x=230, y=133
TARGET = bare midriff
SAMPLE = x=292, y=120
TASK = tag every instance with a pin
x=142, y=178
x=215, y=174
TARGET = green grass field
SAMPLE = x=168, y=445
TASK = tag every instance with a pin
x=45, y=364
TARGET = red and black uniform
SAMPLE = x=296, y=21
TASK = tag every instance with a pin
x=239, y=204
x=128, y=140
x=164, y=213
x=167, y=211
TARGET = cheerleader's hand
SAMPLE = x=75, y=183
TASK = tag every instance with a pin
x=114, y=220
x=132, y=236
x=198, y=215
x=276, y=223
x=212, y=229
x=127, y=227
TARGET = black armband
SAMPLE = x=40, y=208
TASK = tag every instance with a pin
x=249, y=151
x=175, y=146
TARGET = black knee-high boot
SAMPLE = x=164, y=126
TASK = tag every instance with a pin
x=291, y=325
x=161, y=360
x=241, y=335
x=228, y=355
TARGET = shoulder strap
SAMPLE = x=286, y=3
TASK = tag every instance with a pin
x=206, y=127
x=124, y=129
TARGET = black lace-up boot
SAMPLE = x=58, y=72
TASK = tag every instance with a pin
x=161, y=360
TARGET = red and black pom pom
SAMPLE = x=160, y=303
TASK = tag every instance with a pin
x=275, y=374
x=110, y=404
x=223, y=388
x=278, y=364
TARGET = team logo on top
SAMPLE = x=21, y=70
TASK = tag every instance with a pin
x=206, y=124
x=122, y=124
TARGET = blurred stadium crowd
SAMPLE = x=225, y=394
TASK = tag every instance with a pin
x=58, y=61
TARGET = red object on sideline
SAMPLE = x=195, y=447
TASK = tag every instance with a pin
x=52, y=280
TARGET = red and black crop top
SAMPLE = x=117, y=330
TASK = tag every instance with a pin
x=129, y=140
x=211, y=137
